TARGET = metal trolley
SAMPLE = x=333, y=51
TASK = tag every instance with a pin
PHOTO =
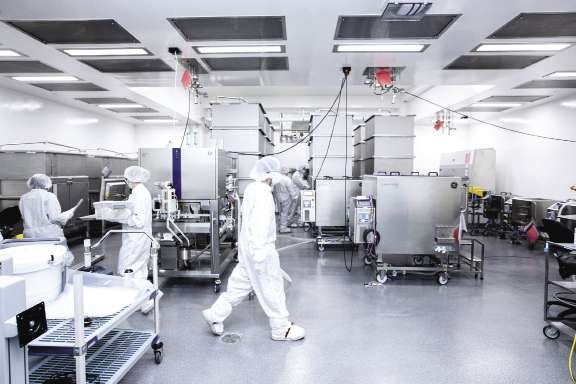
x=448, y=258
x=561, y=294
x=96, y=351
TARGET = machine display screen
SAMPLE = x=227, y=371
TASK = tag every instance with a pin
x=364, y=217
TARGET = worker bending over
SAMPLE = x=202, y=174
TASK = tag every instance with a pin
x=258, y=267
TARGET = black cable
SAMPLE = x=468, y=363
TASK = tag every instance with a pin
x=307, y=135
x=187, y=117
x=349, y=269
x=331, y=136
x=488, y=123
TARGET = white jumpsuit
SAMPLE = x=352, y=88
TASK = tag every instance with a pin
x=41, y=211
x=284, y=199
x=258, y=268
x=135, y=250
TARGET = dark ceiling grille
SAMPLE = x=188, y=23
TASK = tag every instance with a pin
x=129, y=65
x=247, y=63
x=151, y=117
x=513, y=99
x=374, y=27
x=193, y=65
x=548, y=84
x=133, y=110
x=538, y=25
x=75, y=31
x=370, y=71
x=231, y=28
x=105, y=100
x=69, y=87
x=21, y=66
x=494, y=61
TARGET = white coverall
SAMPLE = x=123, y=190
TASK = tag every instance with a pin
x=298, y=180
x=42, y=214
x=135, y=250
x=283, y=194
x=258, y=268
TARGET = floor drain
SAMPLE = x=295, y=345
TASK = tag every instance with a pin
x=230, y=338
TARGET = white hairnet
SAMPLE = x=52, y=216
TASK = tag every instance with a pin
x=263, y=167
x=39, y=181
x=136, y=174
x=285, y=170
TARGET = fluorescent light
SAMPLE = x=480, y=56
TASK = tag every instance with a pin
x=46, y=79
x=544, y=47
x=106, y=52
x=561, y=74
x=496, y=105
x=159, y=121
x=241, y=49
x=380, y=48
x=514, y=120
x=569, y=104
x=82, y=121
x=121, y=106
x=8, y=53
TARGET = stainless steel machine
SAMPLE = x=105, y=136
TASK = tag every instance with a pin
x=196, y=209
x=362, y=212
x=410, y=212
x=477, y=166
x=308, y=205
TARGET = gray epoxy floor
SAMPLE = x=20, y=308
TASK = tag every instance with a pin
x=407, y=331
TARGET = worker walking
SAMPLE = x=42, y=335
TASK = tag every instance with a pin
x=284, y=197
x=258, y=266
x=135, y=250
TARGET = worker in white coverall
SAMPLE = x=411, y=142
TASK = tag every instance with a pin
x=135, y=250
x=282, y=192
x=258, y=266
x=299, y=178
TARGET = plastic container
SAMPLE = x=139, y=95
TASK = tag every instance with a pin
x=118, y=211
x=42, y=266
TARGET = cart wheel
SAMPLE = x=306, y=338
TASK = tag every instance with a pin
x=367, y=260
x=307, y=227
x=531, y=246
x=418, y=260
x=321, y=247
x=251, y=296
x=381, y=277
x=442, y=278
x=158, y=357
x=551, y=332
x=217, y=286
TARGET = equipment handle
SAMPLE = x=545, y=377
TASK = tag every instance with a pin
x=433, y=174
x=395, y=173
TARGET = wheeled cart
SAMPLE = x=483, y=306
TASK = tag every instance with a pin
x=559, y=294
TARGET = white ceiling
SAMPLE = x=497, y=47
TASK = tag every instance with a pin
x=314, y=73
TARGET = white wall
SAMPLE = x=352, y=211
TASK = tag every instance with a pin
x=168, y=135
x=530, y=166
x=429, y=144
x=26, y=118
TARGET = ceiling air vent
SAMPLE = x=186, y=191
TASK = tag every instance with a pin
x=405, y=11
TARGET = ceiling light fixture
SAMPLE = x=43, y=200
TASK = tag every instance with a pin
x=8, y=53
x=544, y=47
x=121, y=106
x=514, y=120
x=82, y=121
x=46, y=79
x=159, y=121
x=106, y=52
x=380, y=48
x=569, y=104
x=241, y=49
x=561, y=75
x=496, y=105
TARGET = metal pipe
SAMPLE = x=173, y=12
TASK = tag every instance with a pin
x=80, y=355
x=113, y=231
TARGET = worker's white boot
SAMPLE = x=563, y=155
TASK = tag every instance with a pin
x=217, y=328
x=290, y=333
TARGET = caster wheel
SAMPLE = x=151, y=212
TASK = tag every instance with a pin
x=217, y=286
x=418, y=260
x=531, y=246
x=367, y=260
x=381, y=277
x=321, y=248
x=442, y=278
x=251, y=296
x=551, y=332
x=158, y=357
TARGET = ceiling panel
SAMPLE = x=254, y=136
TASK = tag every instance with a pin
x=538, y=25
x=105, y=100
x=548, y=84
x=129, y=65
x=247, y=63
x=231, y=28
x=21, y=66
x=369, y=71
x=494, y=61
x=374, y=27
x=75, y=31
x=133, y=110
x=513, y=99
x=70, y=87
x=483, y=109
x=193, y=65
x=151, y=117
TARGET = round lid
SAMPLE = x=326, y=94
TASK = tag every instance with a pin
x=35, y=257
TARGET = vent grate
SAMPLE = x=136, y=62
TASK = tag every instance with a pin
x=494, y=61
x=231, y=28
